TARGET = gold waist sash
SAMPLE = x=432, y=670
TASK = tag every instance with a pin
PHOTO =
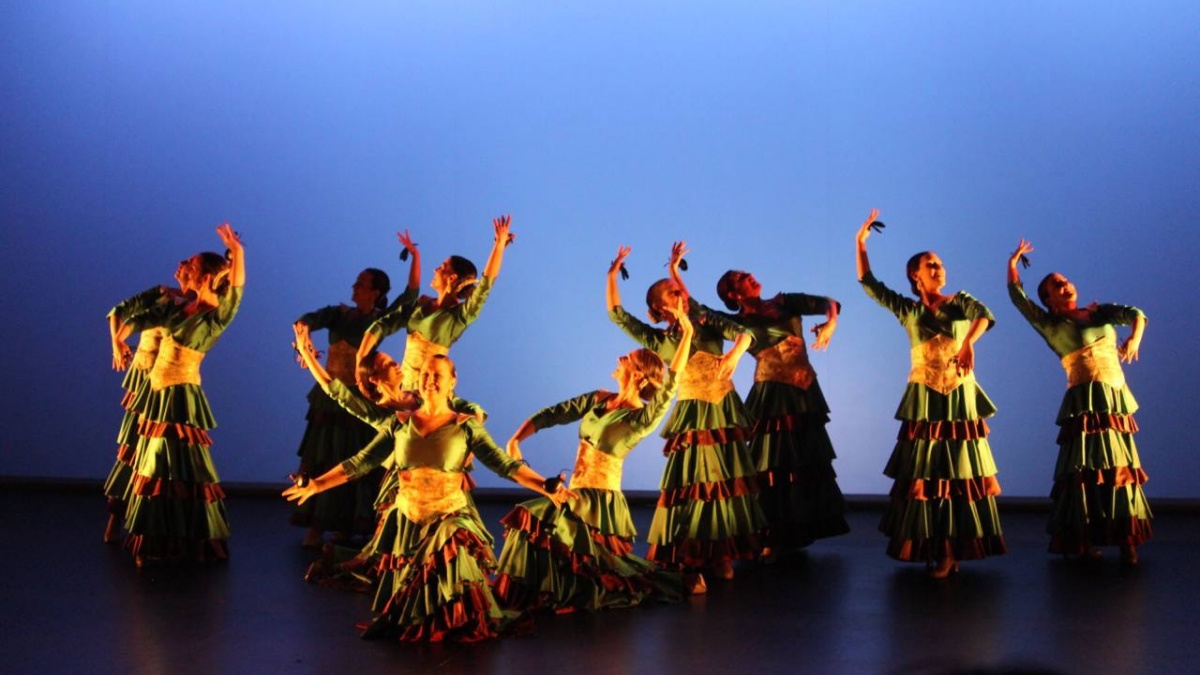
x=340, y=362
x=175, y=364
x=147, y=349
x=786, y=362
x=426, y=493
x=933, y=365
x=700, y=380
x=595, y=469
x=1097, y=362
x=417, y=351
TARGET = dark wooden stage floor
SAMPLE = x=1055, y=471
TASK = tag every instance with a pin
x=72, y=604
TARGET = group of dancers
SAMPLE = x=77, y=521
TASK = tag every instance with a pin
x=743, y=480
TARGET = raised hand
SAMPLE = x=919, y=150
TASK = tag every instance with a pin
x=410, y=246
x=502, y=226
x=1018, y=255
x=231, y=239
x=618, y=263
x=864, y=231
x=678, y=250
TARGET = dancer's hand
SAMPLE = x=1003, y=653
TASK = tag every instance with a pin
x=502, y=226
x=122, y=355
x=964, y=360
x=865, y=230
x=231, y=239
x=1128, y=350
x=824, y=333
x=618, y=263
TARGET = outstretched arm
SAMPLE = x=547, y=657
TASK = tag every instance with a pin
x=860, y=241
x=612, y=294
x=237, y=255
x=678, y=250
x=308, y=355
x=332, y=478
x=1014, y=275
x=504, y=237
x=414, y=270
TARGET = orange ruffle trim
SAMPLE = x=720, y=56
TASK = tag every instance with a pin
x=695, y=553
x=708, y=492
x=184, y=432
x=971, y=489
x=704, y=437
x=962, y=430
x=144, y=486
x=1095, y=423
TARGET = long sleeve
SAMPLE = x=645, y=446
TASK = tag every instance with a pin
x=480, y=443
x=373, y=455
x=642, y=333
x=356, y=404
x=895, y=303
x=803, y=303
x=648, y=419
x=565, y=412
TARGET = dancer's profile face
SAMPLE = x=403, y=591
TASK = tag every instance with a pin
x=363, y=293
x=744, y=285
x=1061, y=295
x=443, y=277
x=189, y=274
x=930, y=275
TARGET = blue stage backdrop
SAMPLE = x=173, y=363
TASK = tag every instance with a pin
x=760, y=132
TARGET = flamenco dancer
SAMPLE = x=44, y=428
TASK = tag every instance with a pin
x=432, y=324
x=708, y=513
x=136, y=384
x=580, y=555
x=434, y=583
x=332, y=434
x=943, y=499
x=1097, y=494
x=176, y=509
x=791, y=450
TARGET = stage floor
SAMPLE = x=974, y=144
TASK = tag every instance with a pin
x=73, y=604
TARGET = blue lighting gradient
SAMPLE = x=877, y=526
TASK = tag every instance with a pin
x=761, y=132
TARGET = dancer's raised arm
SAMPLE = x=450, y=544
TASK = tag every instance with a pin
x=612, y=294
x=1014, y=274
x=237, y=255
x=678, y=250
x=503, y=237
x=414, y=270
x=860, y=240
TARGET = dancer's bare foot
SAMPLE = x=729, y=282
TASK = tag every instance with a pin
x=693, y=583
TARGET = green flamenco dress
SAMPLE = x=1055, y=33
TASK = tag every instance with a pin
x=943, y=498
x=1098, y=477
x=580, y=555
x=429, y=330
x=708, y=510
x=433, y=583
x=333, y=435
x=135, y=382
x=176, y=505
x=791, y=450
x=357, y=569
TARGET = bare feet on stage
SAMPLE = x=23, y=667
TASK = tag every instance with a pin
x=945, y=568
x=112, y=531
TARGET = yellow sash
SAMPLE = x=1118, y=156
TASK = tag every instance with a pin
x=700, y=380
x=175, y=364
x=417, y=351
x=147, y=350
x=933, y=365
x=786, y=362
x=426, y=493
x=340, y=362
x=595, y=469
x=1097, y=362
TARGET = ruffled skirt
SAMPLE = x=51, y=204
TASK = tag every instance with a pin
x=708, y=510
x=1097, y=495
x=176, y=505
x=331, y=437
x=433, y=584
x=943, y=498
x=793, y=456
x=578, y=556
